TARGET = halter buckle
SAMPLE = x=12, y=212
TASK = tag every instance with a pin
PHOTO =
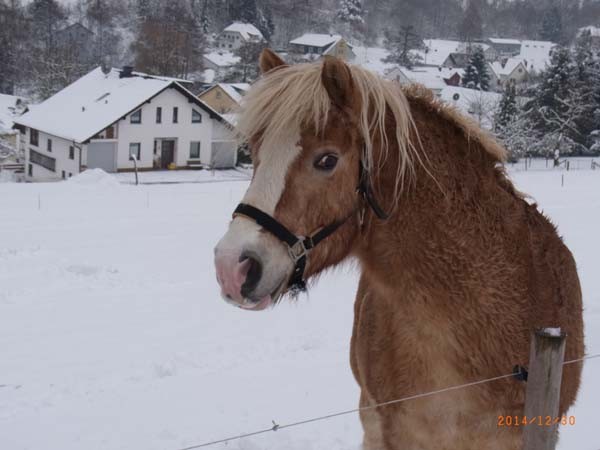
x=298, y=250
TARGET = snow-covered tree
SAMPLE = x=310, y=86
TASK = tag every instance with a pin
x=351, y=11
x=476, y=74
x=508, y=107
x=518, y=136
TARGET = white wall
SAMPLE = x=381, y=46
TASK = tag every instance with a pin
x=60, y=152
x=184, y=131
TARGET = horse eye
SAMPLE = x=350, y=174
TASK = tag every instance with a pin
x=326, y=162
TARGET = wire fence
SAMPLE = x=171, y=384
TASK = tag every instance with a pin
x=276, y=427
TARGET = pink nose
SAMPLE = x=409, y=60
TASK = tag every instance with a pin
x=231, y=275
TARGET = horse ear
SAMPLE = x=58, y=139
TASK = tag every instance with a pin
x=269, y=60
x=337, y=79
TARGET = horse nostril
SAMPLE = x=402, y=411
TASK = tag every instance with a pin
x=253, y=276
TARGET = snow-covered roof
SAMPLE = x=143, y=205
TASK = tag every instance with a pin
x=438, y=50
x=469, y=100
x=536, y=54
x=95, y=101
x=247, y=30
x=9, y=110
x=222, y=59
x=505, y=41
x=430, y=77
x=316, y=40
x=506, y=69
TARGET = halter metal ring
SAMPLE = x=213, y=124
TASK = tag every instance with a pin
x=298, y=250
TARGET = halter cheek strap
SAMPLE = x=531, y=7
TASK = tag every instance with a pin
x=299, y=246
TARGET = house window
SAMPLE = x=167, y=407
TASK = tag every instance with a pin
x=135, y=150
x=158, y=114
x=34, y=137
x=42, y=160
x=136, y=117
x=195, y=150
x=71, y=152
x=218, y=94
x=175, y=114
x=196, y=116
x=49, y=145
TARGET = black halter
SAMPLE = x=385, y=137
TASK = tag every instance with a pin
x=299, y=246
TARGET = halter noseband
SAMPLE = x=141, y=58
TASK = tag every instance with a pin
x=299, y=246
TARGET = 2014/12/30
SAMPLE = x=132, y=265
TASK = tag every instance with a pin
x=542, y=421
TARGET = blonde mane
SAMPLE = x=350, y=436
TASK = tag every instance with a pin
x=291, y=98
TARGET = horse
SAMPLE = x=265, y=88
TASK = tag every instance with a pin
x=457, y=267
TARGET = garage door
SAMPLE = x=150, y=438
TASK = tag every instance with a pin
x=102, y=155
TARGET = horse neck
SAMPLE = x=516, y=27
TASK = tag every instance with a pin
x=435, y=205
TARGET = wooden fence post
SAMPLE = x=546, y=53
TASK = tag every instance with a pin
x=543, y=389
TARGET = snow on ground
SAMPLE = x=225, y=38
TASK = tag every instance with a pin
x=113, y=335
x=184, y=176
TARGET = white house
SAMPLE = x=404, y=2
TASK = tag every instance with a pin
x=237, y=34
x=322, y=44
x=508, y=70
x=106, y=119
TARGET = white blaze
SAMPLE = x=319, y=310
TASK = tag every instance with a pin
x=268, y=183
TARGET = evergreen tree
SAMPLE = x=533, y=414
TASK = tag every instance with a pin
x=508, y=107
x=351, y=12
x=552, y=28
x=476, y=74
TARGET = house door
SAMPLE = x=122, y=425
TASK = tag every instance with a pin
x=167, y=153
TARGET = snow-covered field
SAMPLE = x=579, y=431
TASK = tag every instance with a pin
x=113, y=335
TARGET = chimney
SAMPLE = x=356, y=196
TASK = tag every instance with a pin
x=126, y=72
x=105, y=65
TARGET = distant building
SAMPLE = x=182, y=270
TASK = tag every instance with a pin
x=536, y=55
x=508, y=70
x=505, y=47
x=322, y=44
x=236, y=34
x=219, y=60
x=224, y=97
x=106, y=119
x=434, y=78
x=449, y=53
